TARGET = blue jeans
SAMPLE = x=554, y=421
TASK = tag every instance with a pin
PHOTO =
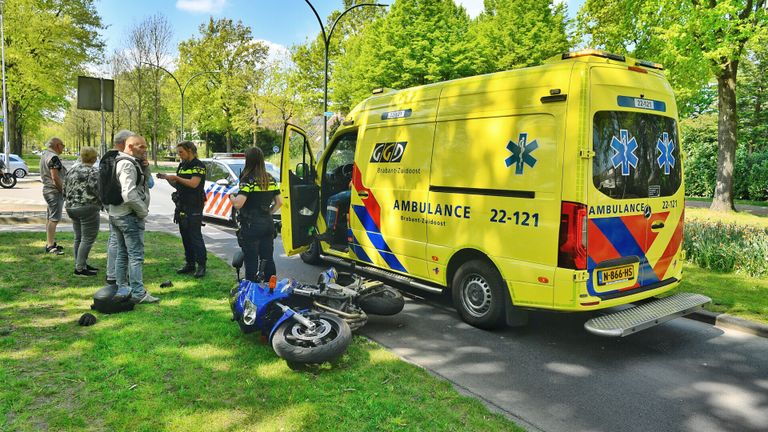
x=111, y=253
x=85, y=222
x=129, y=260
x=337, y=201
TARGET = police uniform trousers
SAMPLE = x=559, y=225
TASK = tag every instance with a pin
x=190, y=225
x=256, y=238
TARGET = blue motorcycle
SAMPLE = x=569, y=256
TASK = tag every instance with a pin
x=298, y=332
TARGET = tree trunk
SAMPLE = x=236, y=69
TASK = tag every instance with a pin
x=229, y=140
x=726, y=138
x=13, y=128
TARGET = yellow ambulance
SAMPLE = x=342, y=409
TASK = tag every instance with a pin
x=556, y=187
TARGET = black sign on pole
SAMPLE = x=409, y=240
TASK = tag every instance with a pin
x=89, y=95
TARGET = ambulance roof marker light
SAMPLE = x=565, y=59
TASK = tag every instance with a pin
x=593, y=52
x=649, y=64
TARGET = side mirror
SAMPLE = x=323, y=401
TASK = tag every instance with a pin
x=222, y=182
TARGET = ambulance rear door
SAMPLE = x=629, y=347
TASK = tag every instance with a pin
x=635, y=194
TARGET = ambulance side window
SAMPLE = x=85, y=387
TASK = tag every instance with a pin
x=343, y=152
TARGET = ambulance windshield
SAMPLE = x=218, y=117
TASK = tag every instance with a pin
x=637, y=155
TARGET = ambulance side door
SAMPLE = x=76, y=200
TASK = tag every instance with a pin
x=299, y=189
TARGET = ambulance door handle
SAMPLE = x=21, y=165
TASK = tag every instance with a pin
x=657, y=225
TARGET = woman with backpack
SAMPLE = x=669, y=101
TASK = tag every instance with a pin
x=256, y=202
x=81, y=194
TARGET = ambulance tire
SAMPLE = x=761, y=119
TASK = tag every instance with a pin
x=312, y=255
x=478, y=294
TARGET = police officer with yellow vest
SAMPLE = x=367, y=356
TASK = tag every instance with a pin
x=189, y=197
x=256, y=202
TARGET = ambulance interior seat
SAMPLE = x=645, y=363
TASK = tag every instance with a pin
x=337, y=180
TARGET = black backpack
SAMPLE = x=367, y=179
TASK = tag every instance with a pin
x=110, y=190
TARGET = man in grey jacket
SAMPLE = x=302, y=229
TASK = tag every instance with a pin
x=127, y=221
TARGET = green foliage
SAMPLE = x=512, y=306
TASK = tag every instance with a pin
x=47, y=43
x=214, y=99
x=699, y=144
x=417, y=42
x=727, y=247
x=751, y=175
x=518, y=33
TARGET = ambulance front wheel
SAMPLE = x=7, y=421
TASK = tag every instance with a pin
x=312, y=255
x=478, y=294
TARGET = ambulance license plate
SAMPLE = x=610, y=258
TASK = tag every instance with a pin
x=615, y=274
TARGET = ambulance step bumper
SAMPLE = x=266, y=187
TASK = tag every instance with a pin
x=634, y=319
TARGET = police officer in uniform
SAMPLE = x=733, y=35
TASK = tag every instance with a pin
x=256, y=202
x=189, y=197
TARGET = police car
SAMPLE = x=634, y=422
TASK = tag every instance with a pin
x=222, y=177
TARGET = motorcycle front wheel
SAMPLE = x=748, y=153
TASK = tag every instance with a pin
x=298, y=345
x=8, y=181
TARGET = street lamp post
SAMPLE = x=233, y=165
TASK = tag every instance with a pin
x=183, y=89
x=326, y=42
x=6, y=142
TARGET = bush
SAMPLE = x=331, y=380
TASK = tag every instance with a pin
x=727, y=247
x=699, y=144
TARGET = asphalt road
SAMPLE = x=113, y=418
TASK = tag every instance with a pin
x=554, y=376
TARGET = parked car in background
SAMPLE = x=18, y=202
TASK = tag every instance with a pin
x=17, y=165
x=222, y=176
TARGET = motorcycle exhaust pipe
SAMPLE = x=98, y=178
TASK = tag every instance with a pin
x=338, y=312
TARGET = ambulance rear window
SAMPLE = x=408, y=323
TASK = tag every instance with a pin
x=637, y=155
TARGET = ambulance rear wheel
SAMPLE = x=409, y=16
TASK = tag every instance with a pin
x=478, y=294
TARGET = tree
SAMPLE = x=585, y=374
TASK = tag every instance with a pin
x=159, y=33
x=47, y=43
x=229, y=48
x=690, y=33
x=417, y=42
x=518, y=33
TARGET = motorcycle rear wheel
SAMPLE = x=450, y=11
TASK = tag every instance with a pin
x=388, y=301
x=296, y=345
x=7, y=181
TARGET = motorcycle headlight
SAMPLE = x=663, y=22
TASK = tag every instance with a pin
x=249, y=313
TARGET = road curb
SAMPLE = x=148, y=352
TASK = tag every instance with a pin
x=731, y=322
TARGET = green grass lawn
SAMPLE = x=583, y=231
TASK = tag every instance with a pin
x=731, y=293
x=182, y=364
x=740, y=202
x=739, y=218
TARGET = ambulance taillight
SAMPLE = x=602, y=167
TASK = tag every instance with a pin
x=573, y=236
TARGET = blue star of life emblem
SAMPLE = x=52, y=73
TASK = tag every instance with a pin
x=665, y=146
x=625, y=156
x=521, y=153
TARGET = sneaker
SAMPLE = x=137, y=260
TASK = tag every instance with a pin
x=148, y=298
x=111, y=281
x=84, y=272
x=188, y=268
x=55, y=249
x=200, y=271
x=88, y=266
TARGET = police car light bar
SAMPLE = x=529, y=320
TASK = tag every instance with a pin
x=228, y=155
x=593, y=52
